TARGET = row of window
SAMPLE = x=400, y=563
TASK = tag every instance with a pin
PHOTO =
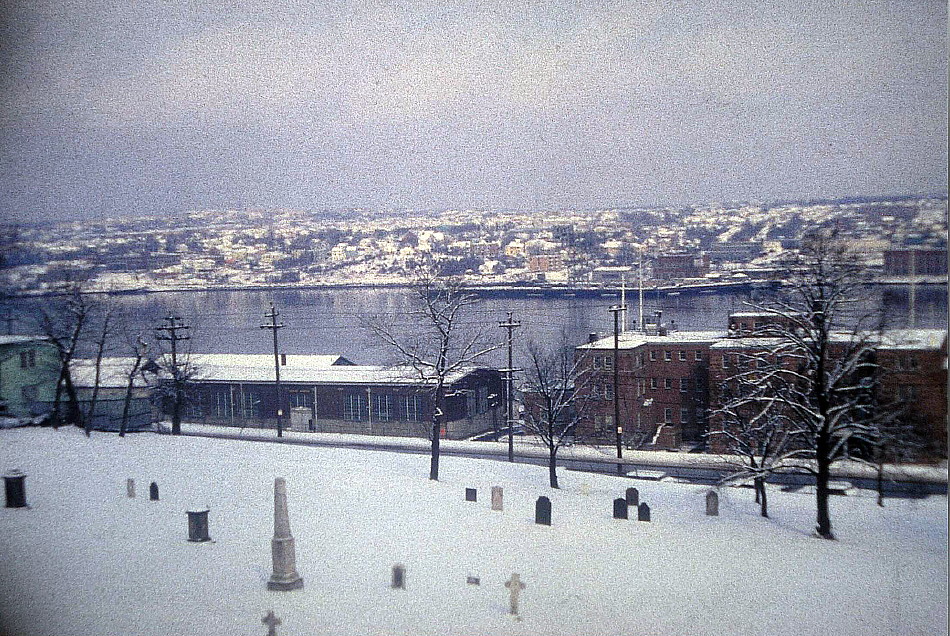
x=606, y=422
x=27, y=359
x=606, y=391
x=356, y=406
x=681, y=354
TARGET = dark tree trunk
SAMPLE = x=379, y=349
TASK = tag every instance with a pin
x=434, y=455
x=176, y=413
x=764, y=503
x=73, y=412
x=552, y=468
x=823, y=527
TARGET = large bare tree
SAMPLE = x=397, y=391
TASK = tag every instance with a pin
x=816, y=358
x=433, y=339
x=64, y=321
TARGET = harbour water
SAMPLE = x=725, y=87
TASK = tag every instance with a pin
x=329, y=321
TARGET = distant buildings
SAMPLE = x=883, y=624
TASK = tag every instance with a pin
x=29, y=370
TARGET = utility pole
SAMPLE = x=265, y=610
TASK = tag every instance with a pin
x=510, y=325
x=616, y=311
x=273, y=326
x=169, y=332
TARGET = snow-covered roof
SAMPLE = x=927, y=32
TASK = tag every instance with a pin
x=113, y=372
x=743, y=343
x=634, y=339
x=325, y=374
x=266, y=360
x=9, y=340
x=917, y=339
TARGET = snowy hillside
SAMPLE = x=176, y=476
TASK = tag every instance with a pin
x=86, y=559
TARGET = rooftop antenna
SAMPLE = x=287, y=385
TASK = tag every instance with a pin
x=640, y=271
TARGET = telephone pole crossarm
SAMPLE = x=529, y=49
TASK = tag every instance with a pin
x=274, y=326
x=509, y=372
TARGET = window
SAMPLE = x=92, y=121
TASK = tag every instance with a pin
x=608, y=363
x=725, y=362
x=29, y=393
x=699, y=355
x=640, y=359
x=684, y=416
x=668, y=416
x=684, y=385
x=413, y=407
x=683, y=356
x=27, y=359
x=668, y=383
x=907, y=392
x=653, y=383
x=222, y=403
x=653, y=355
x=609, y=392
x=250, y=404
x=603, y=423
x=912, y=362
x=667, y=355
x=382, y=407
x=354, y=407
x=598, y=362
x=300, y=399
x=195, y=407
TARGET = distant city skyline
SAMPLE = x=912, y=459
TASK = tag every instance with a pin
x=159, y=108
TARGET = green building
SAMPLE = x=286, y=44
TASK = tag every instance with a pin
x=29, y=368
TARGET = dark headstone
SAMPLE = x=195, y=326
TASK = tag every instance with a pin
x=712, y=504
x=14, y=484
x=399, y=577
x=633, y=497
x=153, y=492
x=471, y=494
x=643, y=512
x=130, y=488
x=198, y=526
x=620, y=508
x=473, y=580
x=542, y=511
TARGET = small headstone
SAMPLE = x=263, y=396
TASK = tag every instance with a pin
x=542, y=511
x=198, y=526
x=633, y=497
x=585, y=489
x=14, y=485
x=272, y=622
x=712, y=504
x=471, y=494
x=130, y=488
x=514, y=586
x=620, y=508
x=399, y=577
x=496, y=498
x=153, y=492
x=643, y=512
x=473, y=580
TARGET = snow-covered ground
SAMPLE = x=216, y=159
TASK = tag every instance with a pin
x=85, y=559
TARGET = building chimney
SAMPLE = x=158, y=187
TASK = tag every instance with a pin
x=592, y=338
x=283, y=359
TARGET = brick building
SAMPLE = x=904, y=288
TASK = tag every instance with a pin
x=915, y=261
x=668, y=381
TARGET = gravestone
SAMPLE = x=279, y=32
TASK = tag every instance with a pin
x=514, y=586
x=620, y=508
x=643, y=512
x=130, y=488
x=473, y=580
x=471, y=494
x=272, y=622
x=496, y=498
x=399, y=577
x=198, y=526
x=585, y=489
x=153, y=492
x=542, y=511
x=14, y=485
x=633, y=497
x=712, y=504
x=283, y=555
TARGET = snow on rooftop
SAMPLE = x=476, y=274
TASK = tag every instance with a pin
x=634, y=339
x=86, y=559
x=8, y=340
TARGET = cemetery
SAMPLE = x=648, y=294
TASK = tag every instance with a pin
x=262, y=539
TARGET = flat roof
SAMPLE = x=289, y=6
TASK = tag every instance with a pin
x=634, y=339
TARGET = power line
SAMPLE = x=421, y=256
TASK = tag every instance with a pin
x=274, y=326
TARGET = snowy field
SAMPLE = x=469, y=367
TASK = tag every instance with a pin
x=85, y=559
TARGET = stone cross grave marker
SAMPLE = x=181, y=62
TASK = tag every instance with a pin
x=153, y=492
x=399, y=577
x=643, y=512
x=514, y=586
x=130, y=488
x=633, y=497
x=620, y=508
x=272, y=622
x=471, y=494
x=712, y=504
x=283, y=555
x=496, y=498
x=542, y=511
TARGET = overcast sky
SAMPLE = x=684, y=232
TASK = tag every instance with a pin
x=162, y=106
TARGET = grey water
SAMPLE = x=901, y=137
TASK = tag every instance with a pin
x=330, y=321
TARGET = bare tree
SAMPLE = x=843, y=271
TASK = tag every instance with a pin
x=64, y=324
x=139, y=349
x=103, y=342
x=816, y=358
x=437, y=342
x=555, y=399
